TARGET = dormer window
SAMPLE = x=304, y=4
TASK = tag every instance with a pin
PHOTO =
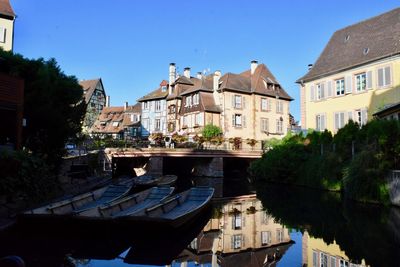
x=115, y=123
x=347, y=38
x=365, y=51
x=163, y=88
x=188, y=101
x=195, y=99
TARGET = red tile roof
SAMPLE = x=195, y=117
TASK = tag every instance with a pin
x=6, y=9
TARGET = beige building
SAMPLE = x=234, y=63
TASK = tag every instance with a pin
x=7, y=19
x=251, y=104
x=315, y=252
x=356, y=75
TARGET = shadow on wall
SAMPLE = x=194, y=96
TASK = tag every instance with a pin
x=381, y=98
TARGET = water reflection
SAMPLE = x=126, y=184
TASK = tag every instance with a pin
x=335, y=232
x=240, y=233
x=237, y=232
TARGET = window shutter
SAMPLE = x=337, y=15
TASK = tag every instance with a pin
x=329, y=88
x=347, y=85
x=369, y=79
x=233, y=101
x=233, y=120
x=380, y=77
x=312, y=93
x=322, y=90
x=233, y=222
x=243, y=221
x=364, y=116
x=262, y=124
x=269, y=105
x=243, y=102
x=323, y=122
x=232, y=242
x=243, y=243
x=388, y=75
x=342, y=118
x=350, y=115
x=336, y=120
x=2, y=35
x=243, y=120
x=267, y=126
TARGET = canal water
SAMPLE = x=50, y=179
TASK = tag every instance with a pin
x=276, y=226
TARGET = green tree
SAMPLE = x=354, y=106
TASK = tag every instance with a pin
x=210, y=131
x=53, y=104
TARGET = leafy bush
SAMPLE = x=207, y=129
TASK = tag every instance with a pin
x=210, y=131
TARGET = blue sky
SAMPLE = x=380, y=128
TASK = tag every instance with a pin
x=129, y=44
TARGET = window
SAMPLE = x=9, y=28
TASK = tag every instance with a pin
x=115, y=123
x=184, y=121
x=158, y=105
x=196, y=99
x=343, y=263
x=264, y=104
x=238, y=120
x=279, y=106
x=134, y=117
x=145, y=105
x=384, y=76
x=361, y=82
x=264, y=125
x=2, y=35
x=361, y=116
x=279, y=126
x=279, y=235
x=266, y=238
x=237, y=221
x=171, y=126
x=315, y=259
x=236, y=241
x=339, y=120
x=188, y=101
x=163, y=88
x=171, y=109
x=157, y=124
x=237, y=101
x=339, y=87
x=199, y=119
x=333, y=261
x=323, y=260
x=320, y=122
x=320, y=91
x=145, y=123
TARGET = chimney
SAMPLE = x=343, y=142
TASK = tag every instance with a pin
x=253, y=66
x=172, y=73
x=310, y=66
x=186, y=72
x=108, y=101
x=125, y=106
x=199, y=75
x=217, y=75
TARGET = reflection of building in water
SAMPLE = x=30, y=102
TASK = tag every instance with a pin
x=317, y=253
x=240, y=234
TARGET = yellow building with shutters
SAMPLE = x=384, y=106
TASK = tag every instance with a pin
x=356, y=75
x=7, y=18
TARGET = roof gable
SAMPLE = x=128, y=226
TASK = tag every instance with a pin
x=357, y=44
x=89, y=86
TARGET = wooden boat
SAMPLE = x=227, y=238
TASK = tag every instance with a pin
x=148, y=180
x=84, y=201
x=129, y=204
x=176, y=210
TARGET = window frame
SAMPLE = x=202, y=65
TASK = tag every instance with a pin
x=342, y=89
x=357, y=82
x=384, y=84
x=238, y=104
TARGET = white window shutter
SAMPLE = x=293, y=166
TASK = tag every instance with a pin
x=323, y=122
x=2, y=35
x=243, y=102
x=267, y=126
x=312, y=93
x=348, y=85
x=233, y=120
x=269, y=105
x=336, y=120
x=350, y=115
x=369, y=79
x=329, y=88
x=364, y=116
x=243, y=120
x=388, y=75
x=380, y=77
x=233, y=101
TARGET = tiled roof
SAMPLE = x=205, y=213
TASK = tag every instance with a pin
x=261, y=82
x=204, y=84
x=387, y=109
x=358, y=44
x=184, y=80
x=6, y=9
x=207, y=100
x=104, y=123
x=88, y=87
x=156, y=94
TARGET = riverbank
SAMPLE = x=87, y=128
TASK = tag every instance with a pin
x=356, y=161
